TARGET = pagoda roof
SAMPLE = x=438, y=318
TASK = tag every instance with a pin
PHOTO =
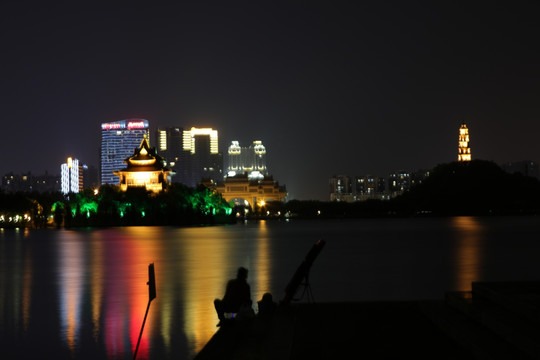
x=144, y=158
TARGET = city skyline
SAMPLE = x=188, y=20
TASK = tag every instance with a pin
x=329, y=89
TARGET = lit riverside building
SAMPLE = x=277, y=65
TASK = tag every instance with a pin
x=201, y=159
x=464, y=149
x=118, y=141
x=250, y=161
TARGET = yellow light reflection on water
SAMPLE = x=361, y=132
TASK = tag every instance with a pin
x=262, y=264
x=468, y=249
x=205, y=281
x=71, y=276
x=96, y=282
x=110, y=267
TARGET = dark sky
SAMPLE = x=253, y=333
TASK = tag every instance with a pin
x=329, y=87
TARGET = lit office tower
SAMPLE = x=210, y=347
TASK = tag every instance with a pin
x=169, y=144
x=118, y=141
x=464, y=149
x=202, y=157
x=250, y=161
x=71, y=176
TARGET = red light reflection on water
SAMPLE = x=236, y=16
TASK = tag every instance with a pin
x=102, y=286
x=113, y=273
x=127, y=294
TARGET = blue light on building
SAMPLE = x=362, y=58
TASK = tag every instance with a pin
x=118, y=141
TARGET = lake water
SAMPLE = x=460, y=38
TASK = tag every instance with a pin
x=83, y=294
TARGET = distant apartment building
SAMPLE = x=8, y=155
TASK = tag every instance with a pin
x=341, y=188
x=525, y=167
x=361, y=188
x=402, y=180
x=118, y=141
x=369, y=187
x=398, y=182
x=249, y=161
x=27, y=182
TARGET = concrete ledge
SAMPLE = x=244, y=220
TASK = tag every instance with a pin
x=375, y=330
x=496, y=320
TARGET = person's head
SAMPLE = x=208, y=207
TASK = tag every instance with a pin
x=242, y=273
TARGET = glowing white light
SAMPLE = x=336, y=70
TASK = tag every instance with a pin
x=189, y=138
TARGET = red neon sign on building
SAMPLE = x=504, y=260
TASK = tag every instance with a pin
x=136, y=125
x=111, y=126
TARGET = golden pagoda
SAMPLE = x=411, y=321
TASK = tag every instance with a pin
x=464, y=149
x=144, y=169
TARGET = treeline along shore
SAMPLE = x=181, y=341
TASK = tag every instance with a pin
x=478, y=187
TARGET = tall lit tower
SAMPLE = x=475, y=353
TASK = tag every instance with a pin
x=203, y=158
x=194, y=139
x=118, y=141
x=464, y=149
x=169, y=144
x=71, y=176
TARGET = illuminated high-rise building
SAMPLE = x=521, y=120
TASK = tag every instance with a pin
x=71, y=178
x=118, y=141
x=250, y=161
x=464, y=148
x=169, y=144
x=201, y=159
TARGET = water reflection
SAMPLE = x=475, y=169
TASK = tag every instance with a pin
x=204, y=281
x=469, y=233
x=100, y=293
x=128, y=254
x=16, y=288
x=262, y=263
x=26, y=289
x=83, y=294
x=71, y=282
x=96, y=282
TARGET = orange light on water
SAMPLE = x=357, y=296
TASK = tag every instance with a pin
x=469, y=247
x=206, y=281
x=261, y=271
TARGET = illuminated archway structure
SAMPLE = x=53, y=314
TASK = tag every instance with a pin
x=144, y=169
x=253, y=191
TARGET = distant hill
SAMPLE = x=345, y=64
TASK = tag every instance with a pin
x=477, y=187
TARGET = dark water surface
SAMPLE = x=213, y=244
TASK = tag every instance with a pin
x=83, y=294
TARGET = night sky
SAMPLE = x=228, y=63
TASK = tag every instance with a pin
x=329, y=87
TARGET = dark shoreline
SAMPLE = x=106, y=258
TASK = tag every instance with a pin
x=493, y=321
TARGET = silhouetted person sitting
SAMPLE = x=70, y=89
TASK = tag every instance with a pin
x=267, y=306
x=237, y=296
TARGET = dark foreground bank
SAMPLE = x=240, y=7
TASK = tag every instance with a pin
x=493, y=321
